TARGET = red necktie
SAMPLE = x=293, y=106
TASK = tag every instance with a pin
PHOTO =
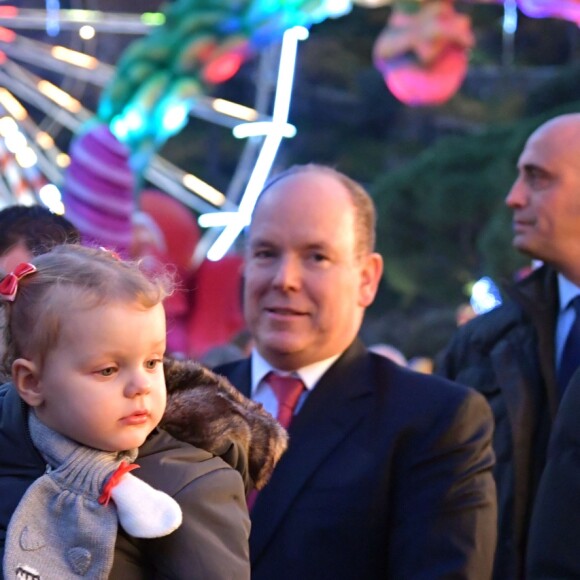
x=287, y=390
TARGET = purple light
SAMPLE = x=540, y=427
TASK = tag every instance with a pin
x=566, y=9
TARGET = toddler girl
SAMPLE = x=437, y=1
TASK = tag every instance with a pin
x=85, y=341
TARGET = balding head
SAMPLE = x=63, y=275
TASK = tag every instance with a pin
x=364, y=208
x=545, y=198
x=561, y=134
x=569, y=123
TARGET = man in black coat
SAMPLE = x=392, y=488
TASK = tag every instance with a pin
x=512, y=354
x=388, y=471
x=554, y=543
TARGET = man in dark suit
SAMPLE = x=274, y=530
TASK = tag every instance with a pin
x=554, y=542
x=388, y=472
x=521, y=354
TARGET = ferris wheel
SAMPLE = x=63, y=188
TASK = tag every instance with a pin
x=47, y=63
x=53, y=61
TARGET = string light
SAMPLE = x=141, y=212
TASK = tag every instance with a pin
x=74, y=57
x=52, y=17
x=269, y=149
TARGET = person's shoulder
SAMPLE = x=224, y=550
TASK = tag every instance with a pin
x=5, y=389
x=420, y=387
x=10, y=403
x=484, y=332
x=169, y=464
x=424, y=404
x=227, y=368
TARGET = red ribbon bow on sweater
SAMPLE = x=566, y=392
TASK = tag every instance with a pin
x=9, y=284
x=124, y=467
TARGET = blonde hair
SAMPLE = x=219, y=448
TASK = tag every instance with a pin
x=69, y=277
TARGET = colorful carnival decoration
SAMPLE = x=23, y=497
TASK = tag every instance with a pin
x=160, y=80
x=202, y=43
x=99, y=188
x=194, y=44
x=423, y=52
x=565, y=9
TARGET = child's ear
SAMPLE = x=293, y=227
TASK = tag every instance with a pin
x=25, y=378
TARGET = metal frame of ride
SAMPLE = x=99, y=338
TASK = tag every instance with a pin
x=33, y=165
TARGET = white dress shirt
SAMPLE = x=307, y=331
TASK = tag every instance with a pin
x=566, y=316
x=262, y=392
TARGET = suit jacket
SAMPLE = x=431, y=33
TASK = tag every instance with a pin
x=387, y=475
x=508, y=356
x=554, y=544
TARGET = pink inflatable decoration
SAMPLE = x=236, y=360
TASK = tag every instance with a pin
x=98, y=192
x=177, y=224
x=423, y=54
x=565, y=9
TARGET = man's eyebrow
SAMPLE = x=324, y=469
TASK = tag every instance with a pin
x=261, y=241
x=535, y=167
x=317, y=246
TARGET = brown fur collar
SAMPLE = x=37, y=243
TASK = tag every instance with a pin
x=204, y=409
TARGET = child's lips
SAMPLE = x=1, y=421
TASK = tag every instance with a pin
x=136, y=418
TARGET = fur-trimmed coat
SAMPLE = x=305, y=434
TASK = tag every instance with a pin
x=205, y=410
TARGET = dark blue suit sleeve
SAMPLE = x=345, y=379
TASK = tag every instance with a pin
x=445, y=502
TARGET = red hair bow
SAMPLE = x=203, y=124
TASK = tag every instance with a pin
x=9, y=284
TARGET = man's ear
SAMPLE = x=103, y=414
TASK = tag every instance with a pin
x=371, y=273
x=25, y=378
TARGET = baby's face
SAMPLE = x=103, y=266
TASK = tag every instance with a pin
x=103, y=383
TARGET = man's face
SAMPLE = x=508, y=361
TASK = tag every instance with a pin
x=305, y=286
x=545, y=197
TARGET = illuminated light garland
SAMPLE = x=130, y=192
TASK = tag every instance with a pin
x=197, y=45
x=12, y=173
x=7, y=35
x=12, y=105
x=73, y=19
x=74, y=57
x=269, y=150
x=59, y=96
x=8, y=11
x=52, y=17
x=216, y=46
x=204, y=190
x=262, y=128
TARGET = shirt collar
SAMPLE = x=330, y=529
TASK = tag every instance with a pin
x=310, y=374
x=567, y=291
